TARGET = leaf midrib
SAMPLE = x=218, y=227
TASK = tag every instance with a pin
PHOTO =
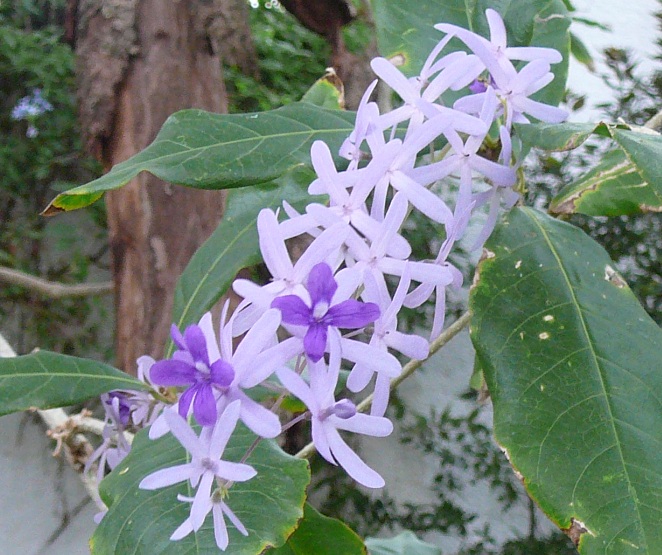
x=141, y=165
x=598, y=367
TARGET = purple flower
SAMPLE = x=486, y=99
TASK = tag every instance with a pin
x=219, y=510
x=350, y=207
x=386, y=335
x=114, y=446
x=465, y=158
x=205, y=467
x=190, y=366
x=322, y=312
x=495, y=53
x=374, y=259
x=288, y=277
x=328, y=416
x=419, y=95
x=253, y=361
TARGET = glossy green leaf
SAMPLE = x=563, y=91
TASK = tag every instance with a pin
x=222, y=151
x=405, y=543
x=321, y=535
x=572, y=362
x=613, y=188
x=626, y=182
x=45, y=380
x=557, y=137
x=644, y=148
x=138, y=521
x=408, y=35
x=234, y=244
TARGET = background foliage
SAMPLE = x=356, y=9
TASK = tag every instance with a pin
x=32, y=168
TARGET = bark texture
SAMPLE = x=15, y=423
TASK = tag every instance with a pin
x=138, y=62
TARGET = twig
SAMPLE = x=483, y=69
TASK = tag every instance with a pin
x=53, y=289
x=407, y=371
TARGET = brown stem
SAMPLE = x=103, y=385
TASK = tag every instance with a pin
x=53, y=289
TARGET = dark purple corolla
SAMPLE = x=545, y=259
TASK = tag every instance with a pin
x=322, y=313
x=190, y=366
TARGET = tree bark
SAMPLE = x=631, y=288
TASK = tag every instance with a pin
x=138, y=62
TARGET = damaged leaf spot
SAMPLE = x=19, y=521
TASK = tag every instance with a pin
x=576, y=530
x=398, y=60
x=548, y=318
x=518, y=265
x=613, y=277
x=650, y=208
x=544, y=335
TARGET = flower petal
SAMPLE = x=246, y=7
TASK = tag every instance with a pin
x=365, y=424
x=293, y=310
x=167, y=477
x=273, y=249
x=204, y=406
x=196, y=344
x=314, y=342
x=259, y=420
x=221, y=373
x=207, y=326
x=351, y=462
x=237, y=472
x=320, y=441
x=184, y=433
x=202, y=503
x=262, y=332
x=220, y=530
x=172, y=373
x=352, y=314
x=224, y=429
x=233, y=518
x=321, y=285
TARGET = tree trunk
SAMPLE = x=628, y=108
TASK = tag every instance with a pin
x=140, y=61
x=327, y=18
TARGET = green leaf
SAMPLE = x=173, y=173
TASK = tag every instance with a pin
x=405, y=543
x=644, y=149
x=45, y=380
x=220, y=151
x=477, y=380
x=613, y=188
x=234, y=244
x=627, y=182
x=409, y=35
x=326, y=92
x=581, y=52
x=572, y=362
x=321, y=535
x=557, y=137
x=139, y=521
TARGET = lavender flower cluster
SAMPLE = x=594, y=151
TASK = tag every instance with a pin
x=341, y=280
x=28, y=108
